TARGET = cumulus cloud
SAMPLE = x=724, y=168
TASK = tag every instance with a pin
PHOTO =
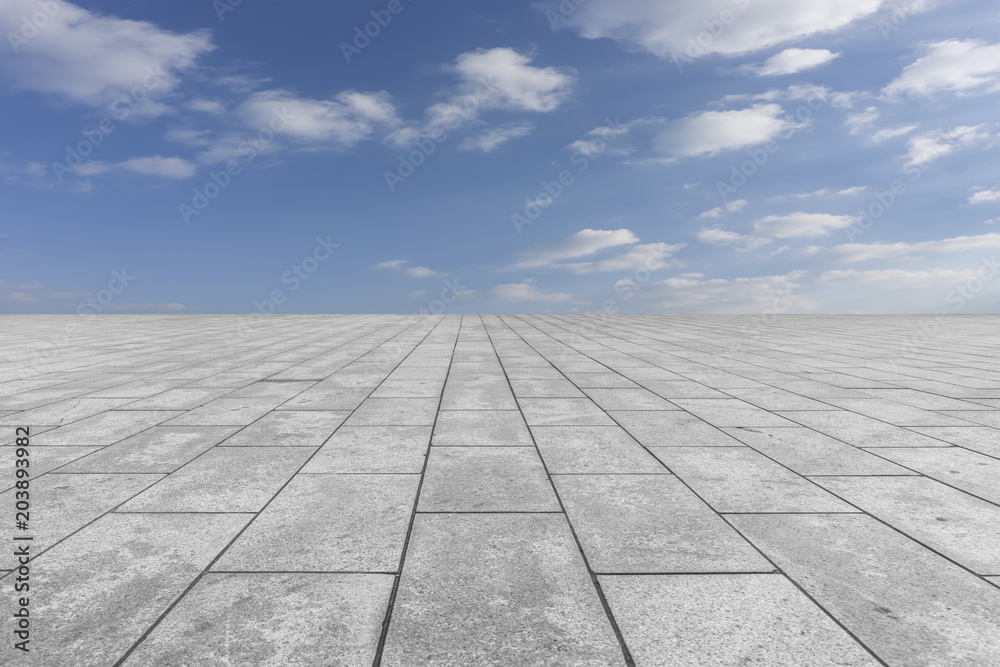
x=527, y=291
x=898, y=277
x=982, y=196
x=347, y=119
x=858, y=122
x=412, y=271
x=718, y=211
x=828, y=192
x=649, y=256
x=791, y=61
x=93, y=59
x=850, y=253
x=724, y=237
x=930, y=146
x=584, y=242
x=955, y=66
x=492, y=138
x=668, y=27
x=692, y=292
x=710, y=132
x=513, y=81
x=799, y=224
x=157, y=165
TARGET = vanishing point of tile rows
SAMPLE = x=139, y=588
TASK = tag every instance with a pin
x=506, y=490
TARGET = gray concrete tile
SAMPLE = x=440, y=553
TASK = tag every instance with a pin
x=968, y=471
x=106, y=585
x=898, y=414
x=726, y=619
x=560, y=388
x=859, y=430
x=42, y=460
x=636, y=398
x=329, y=522
x=409, y=389
x=730, y=412
x=681, y=389
x=982, y=439
x=227, y=412
x=601, y=380
x=772, y=398
x=223, y=479
x=651, y=524
x=463, y=396
x=62, y=412
x=161, y=449
x=102, y=429
x=671, y=428
x=951, y=522
x=481, y=428
x=63, y=503
x=486, y=479
x=288, y=428
x=321, y=397
x=232, y=619
x=981, y=417
x=928, y=612
x=372, y=449
x=541, y=606
x=593, y=450
x=394, y=412
x=810, y=452
x=739, y=479
x=179, y=398
x=564, y=412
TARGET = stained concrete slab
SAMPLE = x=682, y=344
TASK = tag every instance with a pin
x=486, y=479
x=232, y=619
x=726, y=619
x=810, y=452
x=288, y=428
x=497, y=589
x=982, y=439
x=481, y=428
x=593, y=450
x=223, y=479
x=739, y=479
x=671, y=428
x=651, y=524
x=122, y=572
x=969, y=471
x=329, y=523
x=859, y=430
x=928, y=612
x=953, y=523
x=160, y=449
x=394, y=412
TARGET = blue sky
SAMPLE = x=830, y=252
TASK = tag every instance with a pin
x=603, y=156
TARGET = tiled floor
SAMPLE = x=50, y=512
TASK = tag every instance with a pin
x=505, y=490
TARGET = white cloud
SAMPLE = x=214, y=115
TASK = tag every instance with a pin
x=412, y=271
x=799, y=224
x=92, y=168
x=709, y=132
x=859, y=252
x=718, y=211
x=858, y=122
x=584, y=242
x=189, y=137
x=93, y=59
x=157, y=165
x=598, y=140
x=892, y=132
x=827, y=192
x=516, y=84
x=898, y=277
x=492, y=138
x=982, y=196
x=526, y=291
x=957, y=66
x=928, y=147
x=726, y=237
x=666, y=27
x=692, y=292
x=649, y=256
x=347, y=119
x=791, y=61
x=213, y=107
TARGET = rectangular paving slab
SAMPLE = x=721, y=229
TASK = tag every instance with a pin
x=593, y=449
x=906, y=603
x=161, y=449
x=727, y=619
x=651, y=524
x=497, y=589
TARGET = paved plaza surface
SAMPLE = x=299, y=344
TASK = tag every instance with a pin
x=507, y=490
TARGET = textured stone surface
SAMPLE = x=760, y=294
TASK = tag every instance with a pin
x=463, y=489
